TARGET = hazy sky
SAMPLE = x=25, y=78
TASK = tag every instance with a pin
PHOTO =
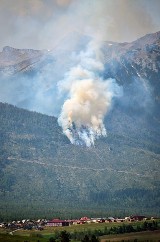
x=41, y=24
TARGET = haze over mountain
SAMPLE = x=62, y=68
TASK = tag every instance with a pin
x=41, y=24
x=40, y=166
x=31, y=76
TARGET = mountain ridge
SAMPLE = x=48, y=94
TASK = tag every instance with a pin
x=129, y=64
x=43, y=173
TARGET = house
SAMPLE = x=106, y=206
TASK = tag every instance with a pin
x=94, y=220
x=85, y=220
x=137, y=218
x=120, y=220
x=98, y=220
x=57, y=223
x=101, y=220
x=111, y=219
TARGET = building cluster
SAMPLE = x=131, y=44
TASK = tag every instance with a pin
x=26, y=224
x=39, y=224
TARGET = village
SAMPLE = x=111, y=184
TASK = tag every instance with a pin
x=40, y=224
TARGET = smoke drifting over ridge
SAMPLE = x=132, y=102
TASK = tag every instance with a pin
x=80, y=98
x=89, y=99
x=43, y=23
x=83, y=97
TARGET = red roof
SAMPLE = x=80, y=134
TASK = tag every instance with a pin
x=56, y=221
x=84, y=219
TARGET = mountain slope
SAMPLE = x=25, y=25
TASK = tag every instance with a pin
x=29, y=77
x=140, y=59
x=44, y=174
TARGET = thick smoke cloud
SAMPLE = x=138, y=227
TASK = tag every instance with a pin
x=75, y=82
x=89, y=98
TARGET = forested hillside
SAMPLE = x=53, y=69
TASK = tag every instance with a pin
x=42, y=174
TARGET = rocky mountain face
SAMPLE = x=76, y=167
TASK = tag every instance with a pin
x=139, y=59
x=30, y=75
x=42, y=172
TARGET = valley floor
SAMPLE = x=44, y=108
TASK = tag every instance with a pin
x=138, y=236
x=33, y=235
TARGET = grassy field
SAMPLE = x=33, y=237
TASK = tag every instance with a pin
x=138, y=236
x=70, y=229
x=73, y=228
x=44, y=235
x=17, y=238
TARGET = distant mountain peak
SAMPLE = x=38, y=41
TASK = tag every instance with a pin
x=148, y=39
x=8, y=49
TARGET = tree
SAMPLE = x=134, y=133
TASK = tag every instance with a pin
x=64, y=236
x=94, y=238
x=52, y=239
x=85, y=239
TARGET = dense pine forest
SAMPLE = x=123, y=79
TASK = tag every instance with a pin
x=43, y=175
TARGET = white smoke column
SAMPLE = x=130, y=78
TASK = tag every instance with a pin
x=89, y=99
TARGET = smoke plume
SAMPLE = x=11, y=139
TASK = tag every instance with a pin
x=88, y=100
